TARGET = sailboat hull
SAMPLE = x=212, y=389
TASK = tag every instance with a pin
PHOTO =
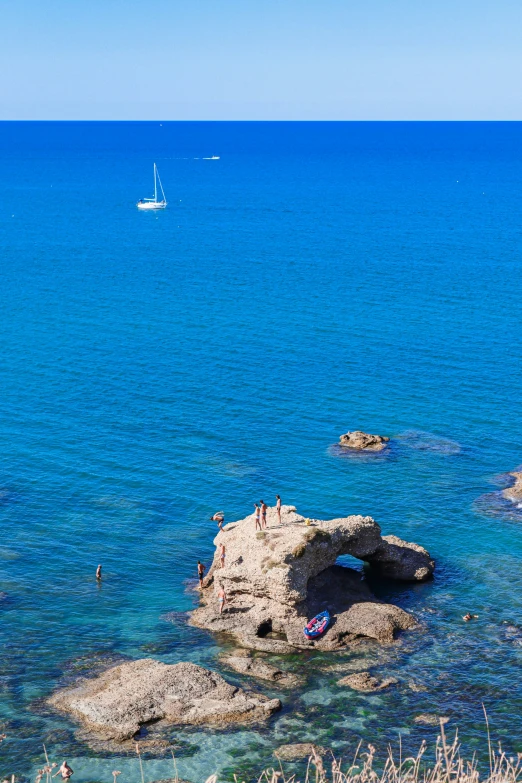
x=151, y=204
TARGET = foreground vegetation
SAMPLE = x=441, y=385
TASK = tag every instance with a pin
x=448, y=766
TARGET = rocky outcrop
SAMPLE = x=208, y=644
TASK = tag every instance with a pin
x=514, y=492
x=116, y=703
x=366, y=682
x=363, y=441
x=402, y=560
x=241, y=661
x=276, y=579
x=299, y=750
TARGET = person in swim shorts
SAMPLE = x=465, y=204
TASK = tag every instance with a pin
x=201, y=573
x=222, y=599
x=222, y=555
x=278, y=508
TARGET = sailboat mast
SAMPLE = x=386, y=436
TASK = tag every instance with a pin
x=161, y=186
x=155, y=188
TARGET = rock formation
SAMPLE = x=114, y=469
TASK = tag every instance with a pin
x=366, y=682
x=402, y=560
x=116, y=703
x=240, y=661
x=363, y=441
x=514, y=492
x=277, y=579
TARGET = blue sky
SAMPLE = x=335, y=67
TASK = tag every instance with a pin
x=261, y=59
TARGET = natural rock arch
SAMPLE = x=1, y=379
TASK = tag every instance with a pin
x=277, y=578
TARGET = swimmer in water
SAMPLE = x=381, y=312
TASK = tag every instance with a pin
x=98, y=576
x=65, y=771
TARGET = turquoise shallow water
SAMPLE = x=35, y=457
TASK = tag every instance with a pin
x=154, y=368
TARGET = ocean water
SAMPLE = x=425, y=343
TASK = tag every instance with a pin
x=154, y=368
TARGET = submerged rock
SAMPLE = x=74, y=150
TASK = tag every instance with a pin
x=417, y=687
x=366, y=682
x=299, y=750
x=240, y=661
x=169, y=780
x=116, y=703
x=514, y=492
x=278, y=578
x=363, y=441
x=427, y=719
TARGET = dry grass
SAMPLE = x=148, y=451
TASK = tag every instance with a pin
x=448, y=766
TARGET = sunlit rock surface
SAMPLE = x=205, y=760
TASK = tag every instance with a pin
x=277, y=579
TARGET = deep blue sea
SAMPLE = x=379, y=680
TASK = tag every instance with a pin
x=154, y=368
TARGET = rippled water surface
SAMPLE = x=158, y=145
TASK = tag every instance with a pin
x=158, y=367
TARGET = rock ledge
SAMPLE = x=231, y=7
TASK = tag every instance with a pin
x=240, y=661
x=115, y=704
x=514, y=492
x=366, y=682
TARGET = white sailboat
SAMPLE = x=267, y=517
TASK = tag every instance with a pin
x=153, y=203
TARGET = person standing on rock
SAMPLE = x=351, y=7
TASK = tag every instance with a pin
x=257, y=513
x=278, y=508
x=222, y=555
x=201, y=573
x=263, y=513
x=222, y=599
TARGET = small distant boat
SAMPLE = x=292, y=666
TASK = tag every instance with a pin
x=214, y=157
x=153, y=203
x=317, y=625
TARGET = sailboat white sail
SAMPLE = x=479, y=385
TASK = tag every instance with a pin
x=153, y=203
